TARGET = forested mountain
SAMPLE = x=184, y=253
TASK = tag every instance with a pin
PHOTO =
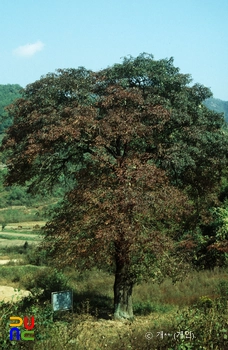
x=8, y=93
x=217, y=105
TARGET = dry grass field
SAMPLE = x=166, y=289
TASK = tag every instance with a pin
x=194, y=305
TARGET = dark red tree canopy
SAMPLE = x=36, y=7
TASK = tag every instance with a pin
x=141, y=157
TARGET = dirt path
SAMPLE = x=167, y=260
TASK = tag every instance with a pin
x=25, y=225
x=6, y=261
x=16, y=242
x=16, y=234
x=8, y=294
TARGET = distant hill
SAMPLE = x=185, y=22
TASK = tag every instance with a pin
x=8, y=93
x=218, y=106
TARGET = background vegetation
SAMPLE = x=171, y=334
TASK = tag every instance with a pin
x=8, y=94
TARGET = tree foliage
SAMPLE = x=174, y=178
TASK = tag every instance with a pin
x=141, y=158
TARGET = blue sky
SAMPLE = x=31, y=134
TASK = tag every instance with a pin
x=39, y=36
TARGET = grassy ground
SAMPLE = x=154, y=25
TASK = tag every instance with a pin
x=197, y=305
x=15, y=233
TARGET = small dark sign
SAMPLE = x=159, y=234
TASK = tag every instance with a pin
x=62, y=300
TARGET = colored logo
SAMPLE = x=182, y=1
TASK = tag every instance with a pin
x=16, y=332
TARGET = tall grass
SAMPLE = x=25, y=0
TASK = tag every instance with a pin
x=197, y=305
x=192, y=328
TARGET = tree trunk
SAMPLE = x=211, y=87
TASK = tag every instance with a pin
x=123, y=309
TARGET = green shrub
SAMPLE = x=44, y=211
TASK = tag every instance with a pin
x=12, y=250
x=48, y=280
x=13, y=273
x=222, y=289
x=35, y=256
x=29, y=306
x=145, y=308
x=205, y=303
x=210, y=329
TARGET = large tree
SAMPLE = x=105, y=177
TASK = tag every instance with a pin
x=141, y=159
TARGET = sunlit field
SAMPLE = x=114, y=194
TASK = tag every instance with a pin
x=190, y=314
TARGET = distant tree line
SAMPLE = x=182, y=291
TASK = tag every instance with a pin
x=8, y=94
